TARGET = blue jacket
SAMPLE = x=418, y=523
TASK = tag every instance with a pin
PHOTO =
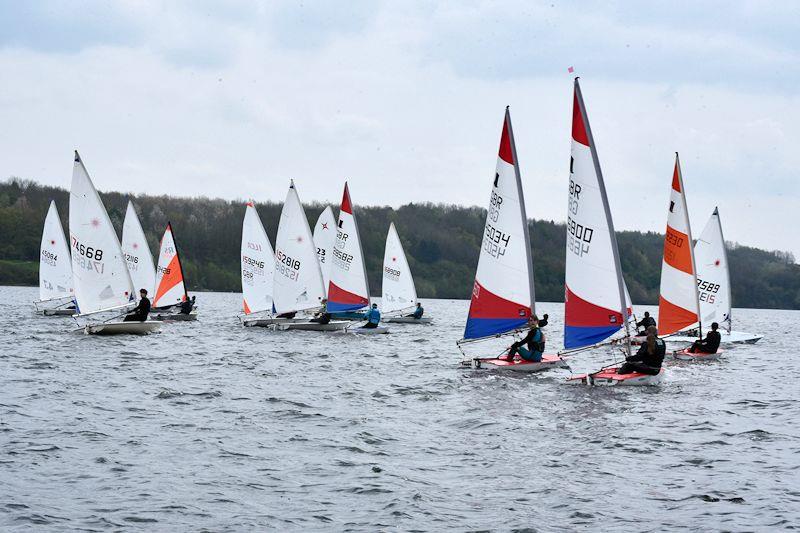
x=418, y=312
x=373, y=316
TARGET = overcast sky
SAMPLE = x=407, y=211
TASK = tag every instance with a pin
x=406, y=101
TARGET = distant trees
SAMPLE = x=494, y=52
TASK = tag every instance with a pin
x=441, y=241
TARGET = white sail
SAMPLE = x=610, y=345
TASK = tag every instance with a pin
x=398, y=291
x=170, y=287
x=713, y=277
x=348, y=289
x=137, y=253
x=298, y=278
x=55, y=265
x=99, y=272
x=324, y=237
x=258, y=264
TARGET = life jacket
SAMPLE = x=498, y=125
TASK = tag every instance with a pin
x=538, y=346
x=374, y=316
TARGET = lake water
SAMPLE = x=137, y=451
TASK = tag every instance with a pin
x=213, y=426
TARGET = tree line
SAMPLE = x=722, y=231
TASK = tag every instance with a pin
x=442, y=243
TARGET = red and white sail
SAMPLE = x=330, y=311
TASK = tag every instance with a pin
x=503, y=297
x=348, y=289
x=170, y=288
x=596, y=298
x=55, y=265
x=713, y=278
x=324, y=237
x=137, y=253
x=678, y=306
x=258, y=264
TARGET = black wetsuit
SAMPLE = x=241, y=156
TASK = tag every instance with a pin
x=645, y=362
x=287, y=315
x=543, y=321
x=708, y=345
x=535, y=347
x=321, y=318
x=140, y=312
x=186, y=307
x=646, y=322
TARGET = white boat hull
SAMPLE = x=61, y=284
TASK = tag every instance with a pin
x=265, y=322
x=360, y=330
x=686, y=355
x=407, y=320
x=610, y=378
x=333, y=325
x=175, y=317
x=734, y=337
x=58, y=312
x=490, y=363
x=122, y=328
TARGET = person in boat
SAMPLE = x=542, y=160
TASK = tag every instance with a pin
x=373, y=317
x=418, y=312
x=322, y=316
x=531, y=347
x=141, y=311
x=543, y=320
x=646, y=322
x=187, y=305
x=290, y=314
x=649, y=358
x=710, y=344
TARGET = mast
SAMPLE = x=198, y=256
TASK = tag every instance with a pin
x=727, y=270
x=691, y=246
x=526, y=230
x=609, y=220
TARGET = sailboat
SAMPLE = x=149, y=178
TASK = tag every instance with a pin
x=55, y=268
x=137, y=253
x=324, y=237
x=679, y=298
x=503, y=298
x=258, y=270
x=99, y=272
x=170, y=286
x=348, y=289
x=597, y=304
x=714, y=285
x=398, y=293
x=298, y=285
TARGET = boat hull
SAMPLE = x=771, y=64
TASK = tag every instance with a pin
x=333, y=325
x=407, y=320
x=265, y=322
x=609, y=378
x=686, y=355
x=360, y=330
x=58, y=312
x=175, y=317
x=122, y=328
x=734, y=337
x=492, y=363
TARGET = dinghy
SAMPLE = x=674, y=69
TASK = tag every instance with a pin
x=298, y=286
x=714, y=285
x=686, y=355
x=324, y=237
x=258, y=271
x=99, y=271
x=503, y=299
x=170, y=287
x=398, y=293
x=137, y=253
x=679, y=299
x=55, y=269
x=348, y=289
x=597, y=305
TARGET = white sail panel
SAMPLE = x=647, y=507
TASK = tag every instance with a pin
x=258, y=264
x=348, y=289
x=713, y=278
x=170, y=287
x=99, y=271
x=298, y=278
x=398, y=291
x=324, y=237
x=137, y=253
x=55, y=265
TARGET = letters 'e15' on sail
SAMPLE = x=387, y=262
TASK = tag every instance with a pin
x=137, y=253
x=594, y=293
x=324, y=237
x=397, y=290
x=348, y=289
x=503, y=297
x=713, y=277
x=258, y=264
x=298, y=278
x=170, y=288
x=55, y=265
x=99, y=272
x=678, y=306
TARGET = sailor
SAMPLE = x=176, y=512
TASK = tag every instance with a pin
x=373, y=317
x=290, y=314
x=141, y=311
x=646, y=322
x=710, y=344
x=649, y=358
x=187, y=305
x=322, y=316
x=418, y=312
x=543, y=320
x=531, y=347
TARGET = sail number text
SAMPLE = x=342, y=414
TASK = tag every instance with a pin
x=287, y=265
x=495, y=241
x=707, y=291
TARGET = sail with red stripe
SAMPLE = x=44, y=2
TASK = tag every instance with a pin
x=348, y=289
x=596, y=301
x=170, y=289
x=503, y=296
x=678, y=306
